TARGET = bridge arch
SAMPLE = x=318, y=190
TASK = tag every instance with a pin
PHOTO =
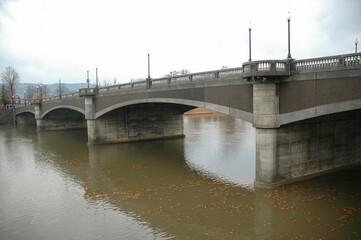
x=319, y=111
x=62, y=107
x=24, y=111
x=25, y=118
x=62, y=117
x=215, y=107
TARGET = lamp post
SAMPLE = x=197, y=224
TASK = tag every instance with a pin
x=87, y=80
x=59, y=88
x=148, y=65
x=289, y=36
x=356, y=42
x=37, y=92
x=25, y=97
x=41, y=91
x=96, y=77
x=249, y=38
x=148, y=80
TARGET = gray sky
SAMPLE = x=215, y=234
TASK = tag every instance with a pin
x=48, y=40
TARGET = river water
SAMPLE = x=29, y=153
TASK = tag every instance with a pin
x=54, y=186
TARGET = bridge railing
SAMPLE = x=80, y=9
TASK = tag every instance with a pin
x=67, y=95
x=198, y=77
x=118, y=87
x=328, y=62
x=27, y=103
x=165, y=81
x=51, y=98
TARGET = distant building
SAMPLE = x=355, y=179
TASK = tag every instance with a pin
x=17, y=99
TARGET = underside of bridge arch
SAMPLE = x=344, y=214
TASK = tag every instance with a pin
x=62, y=118
x=308, y=148
x=26, y=118
x=138, y=122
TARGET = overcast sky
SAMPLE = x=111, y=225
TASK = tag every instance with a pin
x=48, y=40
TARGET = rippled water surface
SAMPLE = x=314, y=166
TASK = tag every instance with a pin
x=54, y=186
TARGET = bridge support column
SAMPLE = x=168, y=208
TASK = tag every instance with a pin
x=90, y=117
x=91, y=130
x=266, y=122
x=39, y=121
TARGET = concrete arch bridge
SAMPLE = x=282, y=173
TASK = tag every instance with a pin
x=307, y=113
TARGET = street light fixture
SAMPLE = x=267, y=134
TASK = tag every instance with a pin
x=289, y=37
x=25, y=97
x=249, y=38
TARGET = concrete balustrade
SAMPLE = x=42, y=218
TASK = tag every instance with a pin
x=328, y=62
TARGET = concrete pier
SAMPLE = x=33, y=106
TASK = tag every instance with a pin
x=307, y=148
x=137, y=122
x=265, y=120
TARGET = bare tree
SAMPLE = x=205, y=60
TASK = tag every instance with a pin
x=177, y=73
x=45, y=90
x=106, y=83
x=30, y=92
x=63, y=90
x=4, y=96
x=10, y=78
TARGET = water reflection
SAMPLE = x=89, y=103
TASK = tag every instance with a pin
x=162, y=192
x=221, y=147
x=54, y=184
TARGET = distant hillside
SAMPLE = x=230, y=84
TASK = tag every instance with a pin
x=20, y=88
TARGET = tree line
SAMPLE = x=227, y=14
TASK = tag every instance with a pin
x=10, y=78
